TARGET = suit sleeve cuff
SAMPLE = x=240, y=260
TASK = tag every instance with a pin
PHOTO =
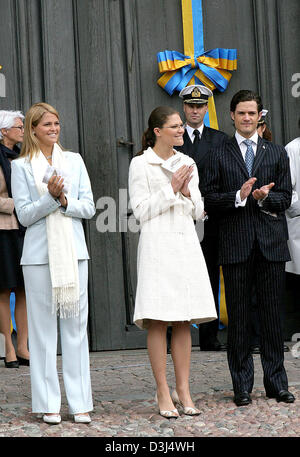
x=261, y=201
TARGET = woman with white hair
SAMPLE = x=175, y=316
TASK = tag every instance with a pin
x=11, y=244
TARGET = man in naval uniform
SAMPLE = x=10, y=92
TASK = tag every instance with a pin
x=199, y=143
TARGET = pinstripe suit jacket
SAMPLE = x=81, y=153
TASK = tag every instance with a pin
x=239, y=227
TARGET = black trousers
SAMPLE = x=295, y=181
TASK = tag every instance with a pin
x=209, y=330
x=268, y=278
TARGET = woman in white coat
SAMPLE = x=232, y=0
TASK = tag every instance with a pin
x=54, y=262
x=173, y=284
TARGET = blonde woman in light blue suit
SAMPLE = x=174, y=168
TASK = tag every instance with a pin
x=54, y=262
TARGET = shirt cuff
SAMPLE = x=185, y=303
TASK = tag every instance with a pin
x=238, y=201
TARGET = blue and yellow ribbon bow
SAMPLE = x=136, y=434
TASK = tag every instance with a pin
x=195, y=66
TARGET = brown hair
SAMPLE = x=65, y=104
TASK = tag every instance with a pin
x=30, y=145
x=157, y=118
x=245, y=96
x=267, y=135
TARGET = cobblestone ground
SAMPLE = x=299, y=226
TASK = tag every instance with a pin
x=123, y=391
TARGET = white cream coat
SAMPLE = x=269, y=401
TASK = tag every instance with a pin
x=293, y=213
x=173, y=283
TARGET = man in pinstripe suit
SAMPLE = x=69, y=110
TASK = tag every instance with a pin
x=248, y=185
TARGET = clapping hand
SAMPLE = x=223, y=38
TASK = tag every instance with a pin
x=185, y=188
x=181, y=179
x=246, y=188
x=55, y=187
x=263, y=192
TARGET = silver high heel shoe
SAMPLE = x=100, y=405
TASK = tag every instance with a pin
x=168, y=414
x=187, y=410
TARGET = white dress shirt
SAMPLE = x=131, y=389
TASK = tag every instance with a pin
x=190, y=131
x=243, y=148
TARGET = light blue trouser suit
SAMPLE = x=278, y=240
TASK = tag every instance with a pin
x=42, y=329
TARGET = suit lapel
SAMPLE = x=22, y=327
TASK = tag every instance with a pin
x=206, y=135
x=236, y=152
x=199, y=152
x=187, y=147
x=260, y=152
x=204, y=147
x=205, y=140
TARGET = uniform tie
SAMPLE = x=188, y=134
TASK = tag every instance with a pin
x=197, y=136
x=249, y=158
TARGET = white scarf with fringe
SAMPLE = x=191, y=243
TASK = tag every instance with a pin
x=63, y=263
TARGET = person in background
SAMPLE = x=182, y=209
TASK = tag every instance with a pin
x=262, y=127
x=11, y=244
x=199, y=142
x=52, y=194
x=265, y=133
x=292, y=267
x=173, y=284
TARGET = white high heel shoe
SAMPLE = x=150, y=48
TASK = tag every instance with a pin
x=168, y=414
x=187, y=410
x=52, y=419
x=81, y=418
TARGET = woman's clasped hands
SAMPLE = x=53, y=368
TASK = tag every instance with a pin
x=181, y=179
x=55, y=188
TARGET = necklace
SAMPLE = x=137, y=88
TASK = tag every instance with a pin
x=49, y=157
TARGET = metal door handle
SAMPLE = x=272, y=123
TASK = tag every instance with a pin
x=123, y=142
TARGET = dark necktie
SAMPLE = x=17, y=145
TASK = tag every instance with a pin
x=197, y=137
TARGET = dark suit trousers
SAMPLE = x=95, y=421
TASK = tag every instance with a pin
x=209, y=330
x=268, y=278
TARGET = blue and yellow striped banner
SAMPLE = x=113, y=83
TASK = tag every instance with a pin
x=12, y=303
x=222, y=302
x=195, y=66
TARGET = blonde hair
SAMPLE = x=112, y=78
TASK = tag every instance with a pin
x=30, y=145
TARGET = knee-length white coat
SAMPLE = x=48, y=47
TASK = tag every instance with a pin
x=173, y=283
